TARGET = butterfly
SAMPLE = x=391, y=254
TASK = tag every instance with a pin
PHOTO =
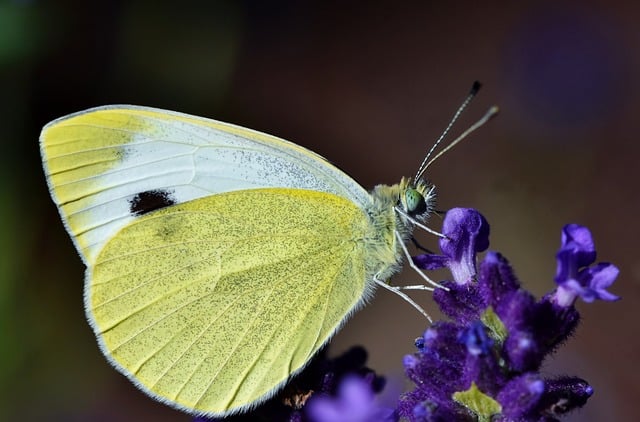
x=219, y=259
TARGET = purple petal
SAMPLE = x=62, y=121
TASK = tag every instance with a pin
x=430, y=261
x=467, y=233
x=577, y=250
x=597, y=279
x=467, y=226
x=589, y=284
x=566, y=293
x=578, y=239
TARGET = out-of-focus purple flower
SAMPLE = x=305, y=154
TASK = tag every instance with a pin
x=483, y=365
x=355, y=402
x=574, y=275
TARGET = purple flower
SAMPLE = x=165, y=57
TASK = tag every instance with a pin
x=574, y=275
x=483, y=365
x=355, y=402
x=467, y=232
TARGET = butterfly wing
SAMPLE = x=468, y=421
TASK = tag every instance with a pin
x=107, y=165
x=210, y=305
x=219, y=258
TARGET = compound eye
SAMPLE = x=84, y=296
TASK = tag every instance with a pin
x=415, y=202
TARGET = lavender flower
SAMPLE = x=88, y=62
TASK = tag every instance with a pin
x=484, y=363
x=574, y=276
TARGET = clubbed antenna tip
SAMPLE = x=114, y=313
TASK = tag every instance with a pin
x=475, y=88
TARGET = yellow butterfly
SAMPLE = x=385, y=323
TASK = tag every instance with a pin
x=219, y=259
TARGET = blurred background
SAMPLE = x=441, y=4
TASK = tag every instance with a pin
x=370, y=86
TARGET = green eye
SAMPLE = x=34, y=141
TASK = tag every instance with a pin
x=415, y=202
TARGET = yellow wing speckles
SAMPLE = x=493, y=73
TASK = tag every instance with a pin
x=237, y=298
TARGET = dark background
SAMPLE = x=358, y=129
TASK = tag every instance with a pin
x=367, y=85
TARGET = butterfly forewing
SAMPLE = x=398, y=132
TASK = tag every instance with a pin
x=108, y=165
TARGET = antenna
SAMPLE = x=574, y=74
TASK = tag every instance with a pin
x=492, y=112
x=425, y=163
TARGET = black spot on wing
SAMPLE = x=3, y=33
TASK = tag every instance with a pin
x=151, y=200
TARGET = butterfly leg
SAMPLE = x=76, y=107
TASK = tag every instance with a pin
x=396, y=290
x=416, y=269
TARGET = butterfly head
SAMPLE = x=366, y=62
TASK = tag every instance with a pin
x=416, y=198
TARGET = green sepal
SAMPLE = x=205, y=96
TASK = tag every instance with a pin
x=479, y=403
x=496, y=328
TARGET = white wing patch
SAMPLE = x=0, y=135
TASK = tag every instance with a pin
x=103, y=162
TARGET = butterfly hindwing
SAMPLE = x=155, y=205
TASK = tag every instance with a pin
x=211, y=304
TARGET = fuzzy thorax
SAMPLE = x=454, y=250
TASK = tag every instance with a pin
x=415, y=200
